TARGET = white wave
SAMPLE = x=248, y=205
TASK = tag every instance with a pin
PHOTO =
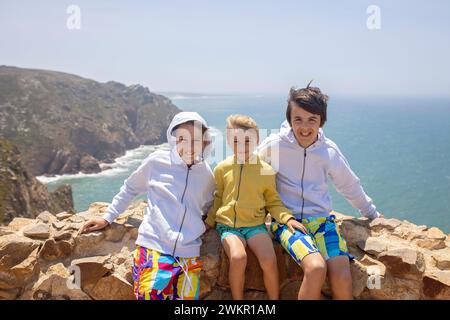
x=132, y=158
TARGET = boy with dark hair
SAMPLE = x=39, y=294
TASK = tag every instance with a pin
x=304, y=160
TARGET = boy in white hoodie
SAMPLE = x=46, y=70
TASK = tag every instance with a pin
x=179, y=185
x=304, y=160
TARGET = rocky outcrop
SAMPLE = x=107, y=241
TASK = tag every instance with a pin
x=63, y=123
x=45, y=258
x=22, y=195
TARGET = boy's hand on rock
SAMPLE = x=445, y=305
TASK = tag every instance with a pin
x=294, y=224
x=93, y=224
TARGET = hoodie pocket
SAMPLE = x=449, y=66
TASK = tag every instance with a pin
x=248, y=214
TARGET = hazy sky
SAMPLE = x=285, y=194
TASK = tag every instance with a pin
x=237, y=46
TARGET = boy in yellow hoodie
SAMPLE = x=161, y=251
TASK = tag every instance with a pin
x=245, y=191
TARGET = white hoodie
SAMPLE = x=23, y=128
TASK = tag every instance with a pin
x=177, y=197
x=302, y=175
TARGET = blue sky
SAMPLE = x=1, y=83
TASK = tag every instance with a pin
x=237, y=46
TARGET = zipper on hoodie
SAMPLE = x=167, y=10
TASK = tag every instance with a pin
x=237, y=198
x=303, y=176
x=185, y=209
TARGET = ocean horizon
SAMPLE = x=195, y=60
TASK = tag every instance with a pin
x=396, y=145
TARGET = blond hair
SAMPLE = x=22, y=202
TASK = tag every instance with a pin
x=240, y=121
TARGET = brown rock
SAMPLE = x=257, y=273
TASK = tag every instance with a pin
x=56, y=284
x=46, y=217
x=89, y=164
x=91, y=269
x=63, y=215
x=62, y=235
x=435, y=233
x=10, y=294
x=14, y=251
x=19, y=223
x=112, y=287
x=402, y=261
x=290, y=290
x=442, y=259
x=431, y=244
x=5, y=231
x=436, y=285
x=374, y=245
x=382, y=223
x=56, y=250
x=58, y=225
x=37, y=231
x=114, y=232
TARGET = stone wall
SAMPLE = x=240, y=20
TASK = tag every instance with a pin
x=394, y=260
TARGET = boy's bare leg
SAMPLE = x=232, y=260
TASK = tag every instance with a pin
x=314, y=275
x=262, y=246
x=340, y=278
x=235, y=249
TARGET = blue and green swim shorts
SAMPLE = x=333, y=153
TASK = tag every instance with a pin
x=323, y=236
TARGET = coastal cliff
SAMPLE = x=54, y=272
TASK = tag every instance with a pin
x=393, y=260
x=21, y=194
x=63, y=123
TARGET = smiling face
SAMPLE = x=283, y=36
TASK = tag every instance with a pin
x=305, y=125
x=190, y=143
x=243, y=142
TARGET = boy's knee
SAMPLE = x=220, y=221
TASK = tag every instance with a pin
x=268, y=261
x=341, y=276
x=239, y=258
x=315, y=268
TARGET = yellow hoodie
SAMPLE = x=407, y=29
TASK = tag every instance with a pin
x=244, y=192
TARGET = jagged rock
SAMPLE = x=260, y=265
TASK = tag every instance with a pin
x=89, y=164
x=56, y=284
x=46, y=217
x=382, y=223
x=435, y=233
x=442, y=259
x=387, y=265
x=114, y=232
x=21, y=194
x=374, y=245
x=113, y=287
x=63, y=215
x=62, y=235
x=19, y=223
x=436, y=285
x=56, y=250
x=402, y=261
x=37, y=231
x=58, y=225
x=91, y=269
x=17, y=260
x=431, y=244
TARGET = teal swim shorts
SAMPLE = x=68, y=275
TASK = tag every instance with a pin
x=242, y=232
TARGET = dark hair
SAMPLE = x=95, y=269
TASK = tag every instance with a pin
x=311, y=99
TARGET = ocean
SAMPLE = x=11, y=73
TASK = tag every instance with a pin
x=399, y=148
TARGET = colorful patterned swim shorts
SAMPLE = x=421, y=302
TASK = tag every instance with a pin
x=323, y=236
x=159, y=276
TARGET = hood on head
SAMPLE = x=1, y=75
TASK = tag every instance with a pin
x=184, y=117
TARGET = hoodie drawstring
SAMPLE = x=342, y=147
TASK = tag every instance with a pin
x=186, y=278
